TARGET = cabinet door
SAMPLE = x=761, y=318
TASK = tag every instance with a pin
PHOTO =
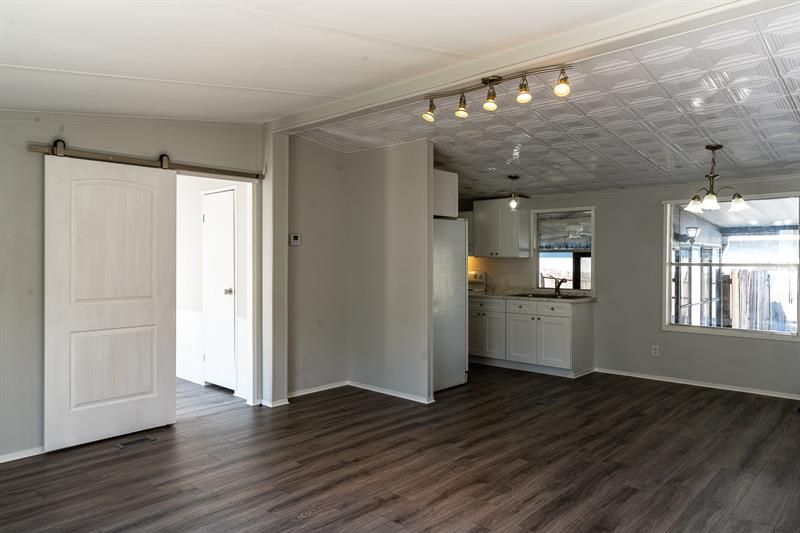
x=483, y=229
x=554, y=341
x=476, y=326
x=507, y=230
x=495, y=331
x=521, y=338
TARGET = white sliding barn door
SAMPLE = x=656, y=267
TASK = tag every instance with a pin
x=109, y=300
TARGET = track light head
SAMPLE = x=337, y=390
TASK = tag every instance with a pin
x=462, y=112
x=491, y=100
x=428, y=115
x=524, y=95
x=562, y=87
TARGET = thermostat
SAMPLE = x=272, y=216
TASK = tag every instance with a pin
x=295, y=239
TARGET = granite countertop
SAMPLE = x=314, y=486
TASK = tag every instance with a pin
x=539, y=296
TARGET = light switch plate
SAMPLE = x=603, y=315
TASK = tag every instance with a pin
x=295, y=239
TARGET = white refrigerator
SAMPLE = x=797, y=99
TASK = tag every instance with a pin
x=450, y=357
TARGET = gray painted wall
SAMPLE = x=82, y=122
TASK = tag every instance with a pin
x=359, y=286
x=22, y=237
x=318, y=270
x=629, y=253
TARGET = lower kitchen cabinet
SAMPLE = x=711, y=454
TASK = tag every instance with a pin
x=554, y=341
x=487, y=333
x=542, y=334
x=521, y=337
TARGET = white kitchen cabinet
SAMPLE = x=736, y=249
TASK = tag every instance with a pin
x=487, y=328
x=550, y=336
x=495, y=342
x=521, y=333
x=554, y=341
x=476, y=326
x=499, y=231
x=467, y=215
x=445, y=193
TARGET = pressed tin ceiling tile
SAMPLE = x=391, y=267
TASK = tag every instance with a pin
x=639, y=116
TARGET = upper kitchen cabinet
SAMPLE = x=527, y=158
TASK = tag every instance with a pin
x=499, y=231
x=467, y=215
x=445, y=194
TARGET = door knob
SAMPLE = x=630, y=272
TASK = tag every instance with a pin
x=228, y=291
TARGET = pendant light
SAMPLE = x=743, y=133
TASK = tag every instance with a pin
x=562, y=87
x=428, y=115
x=491, y=100
x=513, y=203
x=524, y=95
x=709, y=201
x=462, y=112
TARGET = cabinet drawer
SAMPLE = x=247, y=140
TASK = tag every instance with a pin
x=487, y=304
x=521, y=307
x=553, y=309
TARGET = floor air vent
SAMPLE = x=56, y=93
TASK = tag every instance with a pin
x=134, y=442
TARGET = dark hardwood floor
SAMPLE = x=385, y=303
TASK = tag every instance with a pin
x=511, y=451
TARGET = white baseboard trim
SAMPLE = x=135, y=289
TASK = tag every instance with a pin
x=695, y=383
x=276, y=403
x=389, y=392
x=22, y=454
x=582, y=373
x=320, y=388
x=525, y=367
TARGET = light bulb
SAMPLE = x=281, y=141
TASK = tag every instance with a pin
x=738, y=203
x=428, y=115
x=513, y=203
x=694, y=205
x=710, y=202
x=490, y=104
x=462, y=112
x=562, y=87
x=524, y=95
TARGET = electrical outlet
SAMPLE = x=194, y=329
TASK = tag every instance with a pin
x=304, y=362
x=655, y=350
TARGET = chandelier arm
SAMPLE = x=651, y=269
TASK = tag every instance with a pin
x=727, y=187
x=704, y=190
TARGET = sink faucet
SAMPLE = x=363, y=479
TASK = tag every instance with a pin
x=559, y=283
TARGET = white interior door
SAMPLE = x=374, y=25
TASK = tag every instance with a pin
x=219, y=281
x=109, y=300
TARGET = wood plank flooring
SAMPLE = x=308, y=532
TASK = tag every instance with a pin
x=508, y=452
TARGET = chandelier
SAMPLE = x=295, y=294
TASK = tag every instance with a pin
x=708, y=201
x=524, y=95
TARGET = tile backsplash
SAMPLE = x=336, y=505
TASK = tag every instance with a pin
x=504, y=272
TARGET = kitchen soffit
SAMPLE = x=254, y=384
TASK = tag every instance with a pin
x=639, y=116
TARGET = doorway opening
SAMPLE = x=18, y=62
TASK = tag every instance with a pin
x=215, y=307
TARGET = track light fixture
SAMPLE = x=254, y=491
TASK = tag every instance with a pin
x=489, y=83
x=524, y=95
x=462, y=112
x=709, y=200
x=491, y=100
x=428, y=115
x=562, y=87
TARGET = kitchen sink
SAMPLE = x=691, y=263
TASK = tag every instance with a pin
x=560, y=297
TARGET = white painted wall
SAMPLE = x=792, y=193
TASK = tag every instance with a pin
x=628, y=255
x=21, y=231
x=360, y=285
x=390, y=206
x=319, y=269
x=189, y=278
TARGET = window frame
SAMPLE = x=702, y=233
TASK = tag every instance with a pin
x=666, y=277
x=535, y=246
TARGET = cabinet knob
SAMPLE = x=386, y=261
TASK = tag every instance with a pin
x=539, y=318
x=552, y=308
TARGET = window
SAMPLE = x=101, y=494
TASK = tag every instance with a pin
x=564, y=248
x=735, y=270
